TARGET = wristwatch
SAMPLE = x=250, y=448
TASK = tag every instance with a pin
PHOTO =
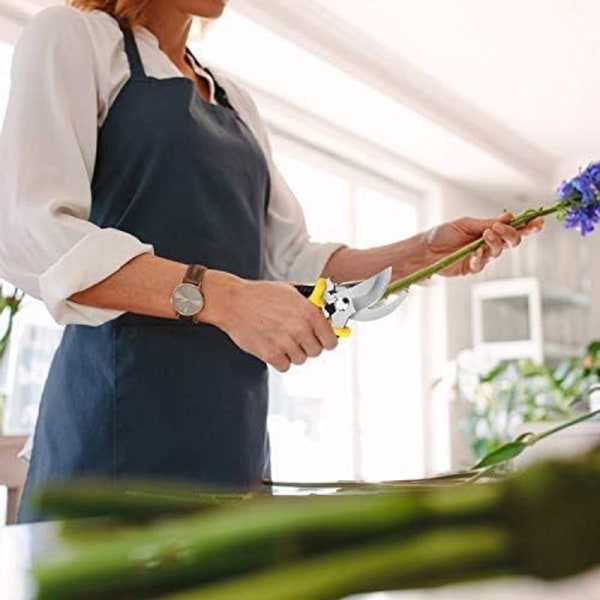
x=187, y=298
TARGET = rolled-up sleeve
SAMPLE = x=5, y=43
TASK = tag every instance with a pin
x=290, y=255
x=48, y=247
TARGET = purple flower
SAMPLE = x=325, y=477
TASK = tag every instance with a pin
x=583, y=217
x=580, y=198
x=593, y=172
x=566, y=190
x=584, y=187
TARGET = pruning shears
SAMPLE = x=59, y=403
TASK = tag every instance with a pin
x=358, y=300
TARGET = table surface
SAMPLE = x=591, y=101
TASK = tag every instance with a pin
x=20, y=545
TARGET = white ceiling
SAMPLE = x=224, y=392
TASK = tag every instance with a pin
x=530, y=64
x=515, y=78
x=513, y=83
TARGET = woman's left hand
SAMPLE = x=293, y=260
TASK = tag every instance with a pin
x=497, y=233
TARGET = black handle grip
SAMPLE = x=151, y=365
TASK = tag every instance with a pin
x=305, y=289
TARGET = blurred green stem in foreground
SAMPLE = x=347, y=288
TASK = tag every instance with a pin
x=539, y=522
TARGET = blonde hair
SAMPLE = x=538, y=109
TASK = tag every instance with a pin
x=128, y=12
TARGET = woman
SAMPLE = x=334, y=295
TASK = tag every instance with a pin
x=144, y=208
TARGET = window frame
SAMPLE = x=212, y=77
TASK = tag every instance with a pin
x=292, y=145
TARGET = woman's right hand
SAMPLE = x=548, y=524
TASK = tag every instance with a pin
x=270, y=320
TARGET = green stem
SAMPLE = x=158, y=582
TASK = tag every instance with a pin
x=427, y=560
x=368, y=484
x=481, y=474
x=511, y=450
x=566, y=425
x=12, y=303
x=448, y=479
x=4, y=339
x=200, y=549
x=127, y=501
x=465, y=251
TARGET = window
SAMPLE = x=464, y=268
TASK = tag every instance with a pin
x=355, y=412
x=33, y=342
x=389, y=369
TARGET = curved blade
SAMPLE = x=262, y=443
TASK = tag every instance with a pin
x=368, y=292
x=381, y=310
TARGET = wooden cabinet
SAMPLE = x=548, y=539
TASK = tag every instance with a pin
x=12, y=471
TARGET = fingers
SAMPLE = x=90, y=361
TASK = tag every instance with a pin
x=533, y=226
x=279, y=360
x=298, y=351
x=474, y=226
x=295, y=352
x=498, y=235
x=497, y=238
x=477, y=261
x=283, y=328
x=311, y=341
x=494, y=242
x=509, y=236
x=324, y=333
x=307, y=338
x=310, y=345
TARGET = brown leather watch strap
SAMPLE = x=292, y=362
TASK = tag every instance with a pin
x=195, y=275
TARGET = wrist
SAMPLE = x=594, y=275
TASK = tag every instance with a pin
x=424, y=246
x=410, y=255
x=219, y=289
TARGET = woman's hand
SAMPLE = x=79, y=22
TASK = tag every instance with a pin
x=497, y=233
x=269, y=320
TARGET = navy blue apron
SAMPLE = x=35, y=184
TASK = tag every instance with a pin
x=152, y=398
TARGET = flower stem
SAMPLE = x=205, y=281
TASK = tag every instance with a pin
x=451, y=259
x=566, y=425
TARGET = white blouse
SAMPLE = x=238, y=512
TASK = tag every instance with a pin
x=68, y=68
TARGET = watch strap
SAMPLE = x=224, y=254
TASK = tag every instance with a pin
x=195, y=275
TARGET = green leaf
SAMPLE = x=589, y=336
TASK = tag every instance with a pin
x=530, y=369
x=594, y=348
x=563, y=369
x=502, y=454
x=495, y=372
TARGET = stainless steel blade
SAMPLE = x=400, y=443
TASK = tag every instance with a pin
x=369, y=291
x=383, y=309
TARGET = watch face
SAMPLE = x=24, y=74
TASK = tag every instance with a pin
x=187, y=300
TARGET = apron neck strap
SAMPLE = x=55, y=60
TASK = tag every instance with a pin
x=220, y=94
x=133, y=55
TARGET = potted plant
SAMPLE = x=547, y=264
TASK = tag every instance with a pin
x=516, y=397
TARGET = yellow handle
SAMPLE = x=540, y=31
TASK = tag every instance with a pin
x=342, y=332
x=317, y=294
x=316, y=298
